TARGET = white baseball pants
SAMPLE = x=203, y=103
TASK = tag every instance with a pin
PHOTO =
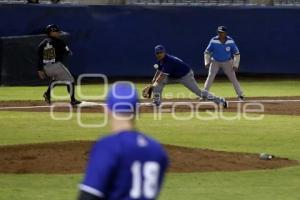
x=190, y=83
x=228, y=70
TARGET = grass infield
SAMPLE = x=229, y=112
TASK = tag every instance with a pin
x=220, y=88
x=276, y=134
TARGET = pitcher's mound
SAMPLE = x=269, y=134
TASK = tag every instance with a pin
x=71, y=157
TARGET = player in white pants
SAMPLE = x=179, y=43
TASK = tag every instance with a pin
x=222, y=52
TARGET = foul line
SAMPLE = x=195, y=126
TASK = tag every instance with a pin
x=22, y=107
x=267, y=101
x=94, y=104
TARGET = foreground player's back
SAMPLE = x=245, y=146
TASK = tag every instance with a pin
x=126, y=165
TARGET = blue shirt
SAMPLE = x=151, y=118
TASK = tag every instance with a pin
x=124, y=166
x=222, y=52
x=173, y=66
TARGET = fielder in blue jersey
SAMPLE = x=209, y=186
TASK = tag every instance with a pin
x=222, y=52
x=127, y=165
x=172, y=69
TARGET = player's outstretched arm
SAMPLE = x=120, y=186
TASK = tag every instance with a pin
x=236, y=61
x=160, y=77
x=207, y=59
x=158, y=70
x=155, y=76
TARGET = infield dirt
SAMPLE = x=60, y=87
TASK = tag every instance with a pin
x=282, y=107
x=71, y=157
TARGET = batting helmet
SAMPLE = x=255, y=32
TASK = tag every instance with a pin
x=52, y=28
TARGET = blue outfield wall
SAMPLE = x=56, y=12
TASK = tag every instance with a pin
x=119, y=40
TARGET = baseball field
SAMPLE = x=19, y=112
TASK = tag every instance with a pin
x=214, y=153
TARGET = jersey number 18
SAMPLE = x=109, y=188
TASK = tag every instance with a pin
x=145, y=178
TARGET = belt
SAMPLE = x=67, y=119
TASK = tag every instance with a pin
x=223, y=60
x=45, y=62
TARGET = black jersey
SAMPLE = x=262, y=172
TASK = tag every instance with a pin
x=52, y=50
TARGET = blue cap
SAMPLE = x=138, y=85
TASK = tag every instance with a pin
x=222, y=29
x=122, y=98
x=159, y=48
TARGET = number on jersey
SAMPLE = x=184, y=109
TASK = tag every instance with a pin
x=145, y=178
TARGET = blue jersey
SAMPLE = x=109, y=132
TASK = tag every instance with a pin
x=173, y=66
x=124, y=166
x=222, y=52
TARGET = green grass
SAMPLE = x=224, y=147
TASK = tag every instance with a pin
x=58, y=187
x=276, y=134
x=266, y=185
x=220, y=88
x=22, y=127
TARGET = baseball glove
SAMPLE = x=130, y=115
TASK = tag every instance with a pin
x=147, y=91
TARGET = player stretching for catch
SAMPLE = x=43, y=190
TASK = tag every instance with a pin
x=51, y=54
x=127, y=164
x=171, y=68
x=222, y=52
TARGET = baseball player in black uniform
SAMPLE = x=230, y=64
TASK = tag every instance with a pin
x=52, y=51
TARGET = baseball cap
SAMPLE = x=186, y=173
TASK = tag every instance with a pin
x=222, y=29
x=159, y=48
x=122, y=97
x=52, y=28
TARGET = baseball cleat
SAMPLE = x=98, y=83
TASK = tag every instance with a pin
x=153, y=104
x=75, y=102
x=224, y=103
x=202, y=98
x=241, y=98
x=47, y=97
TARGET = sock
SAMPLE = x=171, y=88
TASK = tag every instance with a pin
x=71, y=91
x=48, y=92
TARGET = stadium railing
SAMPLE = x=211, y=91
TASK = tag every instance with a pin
x=170, y=2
